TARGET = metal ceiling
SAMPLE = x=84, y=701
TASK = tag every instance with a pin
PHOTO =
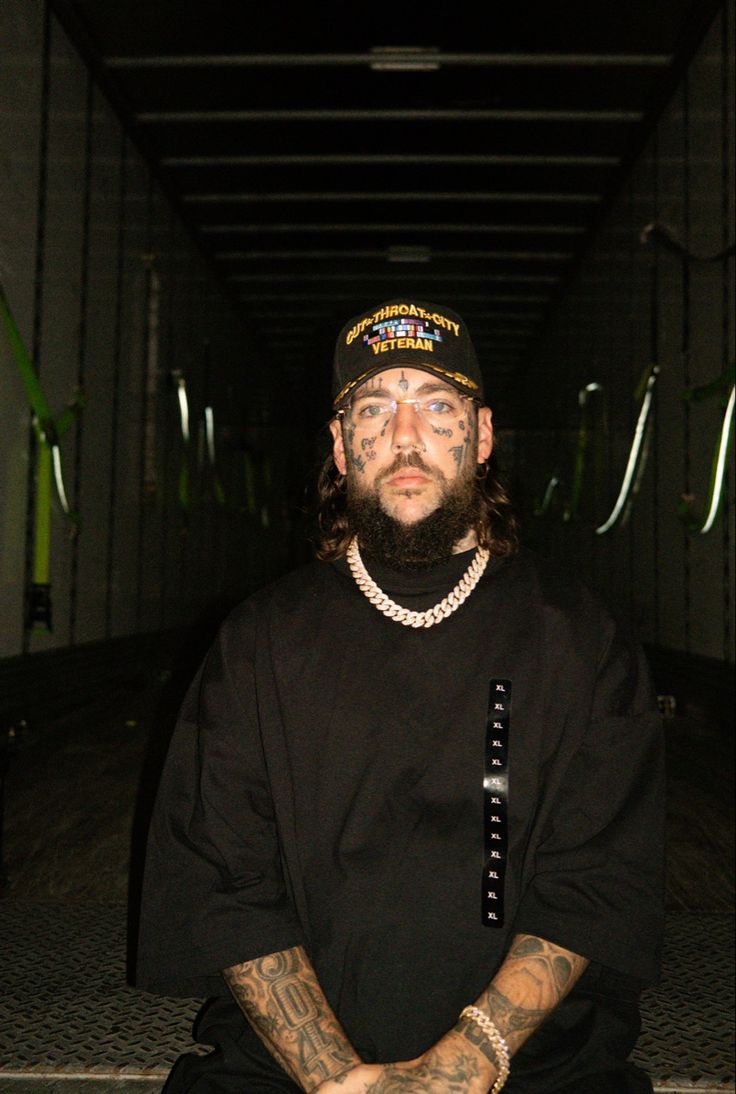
x=329, y=159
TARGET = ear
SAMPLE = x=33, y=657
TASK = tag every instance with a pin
x=338, y=446
x=485, y=433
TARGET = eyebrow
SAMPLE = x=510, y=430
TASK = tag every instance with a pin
x=428, y=389
x=381, y=392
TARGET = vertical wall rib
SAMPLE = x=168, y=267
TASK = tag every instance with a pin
x=37, y=305
x=116, y=378
x=81, y=352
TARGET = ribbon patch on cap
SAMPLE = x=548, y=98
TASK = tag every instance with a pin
x=401, y=334
x=395, y=313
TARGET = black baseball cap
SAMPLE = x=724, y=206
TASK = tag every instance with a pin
x=414, y=333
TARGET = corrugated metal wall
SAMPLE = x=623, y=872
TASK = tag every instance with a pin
x=80, y=218
x=110, y=295
x=635, y=304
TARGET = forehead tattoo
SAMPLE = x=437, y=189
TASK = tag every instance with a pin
x=378, y=385
x=371, y=384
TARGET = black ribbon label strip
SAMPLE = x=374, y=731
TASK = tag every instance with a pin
x=495, y=802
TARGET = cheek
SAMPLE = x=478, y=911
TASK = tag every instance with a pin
x=360, y=453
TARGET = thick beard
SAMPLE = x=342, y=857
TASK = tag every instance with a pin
x=423, y=543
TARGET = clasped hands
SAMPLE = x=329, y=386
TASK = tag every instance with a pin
x=452, y=1066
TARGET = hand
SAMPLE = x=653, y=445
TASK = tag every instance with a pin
x=452, y=1066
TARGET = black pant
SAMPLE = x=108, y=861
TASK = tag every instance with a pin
x=581, y=1049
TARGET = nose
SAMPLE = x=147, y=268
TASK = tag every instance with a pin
x=406, y=436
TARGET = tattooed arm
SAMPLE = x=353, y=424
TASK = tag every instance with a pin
x=533, y=979
x=281, y=998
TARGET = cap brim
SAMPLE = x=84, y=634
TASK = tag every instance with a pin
x=409, y=360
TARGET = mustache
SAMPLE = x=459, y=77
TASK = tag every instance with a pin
x=409, y=459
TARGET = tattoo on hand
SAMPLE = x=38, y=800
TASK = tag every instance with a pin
x=440, y=1076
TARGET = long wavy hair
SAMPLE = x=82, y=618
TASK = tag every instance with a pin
x=495, y=525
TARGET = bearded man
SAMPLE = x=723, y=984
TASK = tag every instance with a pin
x=412, y=812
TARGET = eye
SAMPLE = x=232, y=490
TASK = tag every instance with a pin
x=371, y=410
x=441, y=406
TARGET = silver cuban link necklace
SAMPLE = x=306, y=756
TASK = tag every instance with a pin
x=428, y=618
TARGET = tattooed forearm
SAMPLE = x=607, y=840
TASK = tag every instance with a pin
x=533, y=979
x=281, y=998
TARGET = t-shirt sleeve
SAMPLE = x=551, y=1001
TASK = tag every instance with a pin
x=214, y=893
x=598, y=884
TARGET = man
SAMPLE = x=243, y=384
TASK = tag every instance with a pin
x=412, y=813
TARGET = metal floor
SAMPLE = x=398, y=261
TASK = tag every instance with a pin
x=69, y=1023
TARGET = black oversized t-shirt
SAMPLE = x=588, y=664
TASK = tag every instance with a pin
x=324, y=787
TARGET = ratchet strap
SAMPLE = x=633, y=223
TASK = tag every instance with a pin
x=249, y=475
x=180, y=387
x=723, y=387
x=637, y=453
x=663, y=237
x=581, y=452
x=551, y=491
x=218, y=490
x=49, y=431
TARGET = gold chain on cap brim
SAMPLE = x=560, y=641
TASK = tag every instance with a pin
x=456, y=377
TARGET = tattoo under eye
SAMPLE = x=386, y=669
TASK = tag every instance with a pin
x=367, y=442
x=441, y=432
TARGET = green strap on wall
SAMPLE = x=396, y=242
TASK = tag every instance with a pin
x=250, y=483
x=182, y=398
x=581, y=452
x=723, y=388
x=551, y=491
x=631, y=481
x=49, y=430
x=36, y=397
x=42, y=520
